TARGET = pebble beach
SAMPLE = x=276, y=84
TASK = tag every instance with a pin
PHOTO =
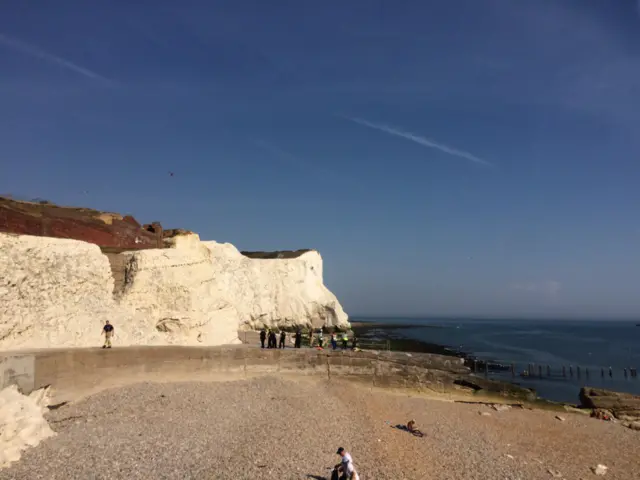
x=277, y=428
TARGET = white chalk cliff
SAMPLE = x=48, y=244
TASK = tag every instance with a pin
x=58, y=293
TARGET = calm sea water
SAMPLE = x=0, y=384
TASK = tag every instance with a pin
x=588, y=344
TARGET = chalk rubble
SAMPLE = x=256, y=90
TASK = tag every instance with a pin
x=22, y=424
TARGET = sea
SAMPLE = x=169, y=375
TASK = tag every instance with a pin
x=591, y=345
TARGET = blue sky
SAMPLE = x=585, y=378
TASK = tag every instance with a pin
x=468, y=157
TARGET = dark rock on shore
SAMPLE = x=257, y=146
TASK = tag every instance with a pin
x=493, y=387
x=381, y=333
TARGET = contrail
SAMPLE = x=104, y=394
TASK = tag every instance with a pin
x=33, y=51
x=418, y=139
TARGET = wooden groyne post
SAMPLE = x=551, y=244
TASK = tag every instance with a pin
x=628, y=372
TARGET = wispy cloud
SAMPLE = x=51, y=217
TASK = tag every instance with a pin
x=290, y=159
x=304, y=165
x=419, y=140
x=282, y=155
x=33, y=51
x=549, y=287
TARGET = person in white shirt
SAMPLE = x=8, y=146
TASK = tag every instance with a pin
x=345, y=468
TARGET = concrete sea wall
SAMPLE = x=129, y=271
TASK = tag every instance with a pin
x=83, y=370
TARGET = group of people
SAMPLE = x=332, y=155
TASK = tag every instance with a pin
x=271, y=338
x=343, y=338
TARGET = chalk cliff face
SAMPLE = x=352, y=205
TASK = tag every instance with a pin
x=58, y=292
x=275, y=292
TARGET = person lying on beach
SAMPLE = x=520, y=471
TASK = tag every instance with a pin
x=411, y=428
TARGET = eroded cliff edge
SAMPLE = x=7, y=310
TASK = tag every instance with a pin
x=58, y=292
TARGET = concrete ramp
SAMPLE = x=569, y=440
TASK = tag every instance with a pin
x=18, y=370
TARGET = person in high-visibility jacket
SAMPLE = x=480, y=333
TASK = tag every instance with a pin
x=345, y=341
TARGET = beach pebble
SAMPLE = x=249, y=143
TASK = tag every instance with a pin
x=600, y=469
x=558, y=417
x=206, y=430
x=484, y=414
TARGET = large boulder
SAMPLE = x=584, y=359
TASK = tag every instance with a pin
x=624, y=406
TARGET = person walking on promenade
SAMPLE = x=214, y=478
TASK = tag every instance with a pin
x=320, y=339
x=283, y=338
x=272, y=339
x=334, y=340
x=263, y=337
x=345, y=340
x=354, y=342
x=107, y=331
x=298, y=337
x=345, y=469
